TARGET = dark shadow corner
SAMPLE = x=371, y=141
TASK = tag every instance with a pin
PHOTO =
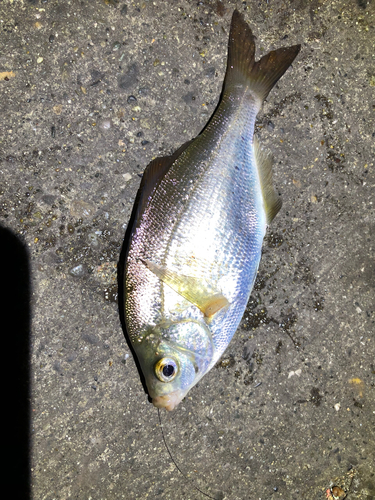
x=15, y=335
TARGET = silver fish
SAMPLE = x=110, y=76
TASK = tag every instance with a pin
x=199, y=222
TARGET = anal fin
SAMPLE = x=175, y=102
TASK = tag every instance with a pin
x=272, y=202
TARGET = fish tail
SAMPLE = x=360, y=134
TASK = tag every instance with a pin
x=242, y=69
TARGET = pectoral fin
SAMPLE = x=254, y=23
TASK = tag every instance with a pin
x=208, y=300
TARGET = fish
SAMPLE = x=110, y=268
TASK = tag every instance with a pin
x=198, y=224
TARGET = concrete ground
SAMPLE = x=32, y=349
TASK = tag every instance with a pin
x=91, y=91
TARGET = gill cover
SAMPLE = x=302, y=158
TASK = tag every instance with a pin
x=173, y=357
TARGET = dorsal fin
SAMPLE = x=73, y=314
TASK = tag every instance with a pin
x=153, y=174
x=271, y=201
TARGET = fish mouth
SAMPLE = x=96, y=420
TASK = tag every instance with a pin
x=168, y=401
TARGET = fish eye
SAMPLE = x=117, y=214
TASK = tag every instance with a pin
x=166, y=369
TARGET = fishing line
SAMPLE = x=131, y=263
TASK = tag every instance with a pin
x=176, y=465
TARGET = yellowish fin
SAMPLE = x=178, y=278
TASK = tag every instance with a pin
x=272, y=202
x=201, y=294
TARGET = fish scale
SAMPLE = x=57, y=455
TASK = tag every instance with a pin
x=233, y=237
x=199, y=223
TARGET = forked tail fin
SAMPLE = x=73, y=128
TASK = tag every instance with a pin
x=242, y=69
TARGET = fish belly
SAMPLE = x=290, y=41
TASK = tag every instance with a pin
x=205, y=220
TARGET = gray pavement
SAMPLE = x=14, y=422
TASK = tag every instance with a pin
x=90, y=92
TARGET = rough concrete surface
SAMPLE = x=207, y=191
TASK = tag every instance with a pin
x=90, y=92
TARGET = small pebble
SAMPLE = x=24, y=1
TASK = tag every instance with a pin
x=80, y=208
x=77, y=271
x=106, y=124
x=93, y=239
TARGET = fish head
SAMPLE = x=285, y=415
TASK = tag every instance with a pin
x=174, y=356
